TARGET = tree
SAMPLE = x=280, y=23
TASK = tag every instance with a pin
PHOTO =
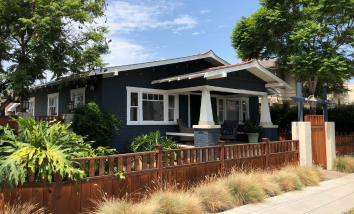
x=312, y=39
x=60, y=36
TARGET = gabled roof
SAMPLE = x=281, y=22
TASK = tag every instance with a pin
x=252, y=66
x=209, y=56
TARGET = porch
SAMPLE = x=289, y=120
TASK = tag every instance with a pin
x=226, y=93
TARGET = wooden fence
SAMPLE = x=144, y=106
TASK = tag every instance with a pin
x=150, y=171
x=4, y=120
x=344, y=145
x=284, y=134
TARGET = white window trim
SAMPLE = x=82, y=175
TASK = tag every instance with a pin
x=140, y=92
x=240, y=108
x=52, y=96
x=33, y=99
x=77, y=91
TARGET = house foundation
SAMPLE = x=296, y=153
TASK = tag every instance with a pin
x=206, y=137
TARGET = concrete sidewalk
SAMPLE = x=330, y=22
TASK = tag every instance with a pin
x=333, y=196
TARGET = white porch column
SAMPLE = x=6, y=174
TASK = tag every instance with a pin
x=330, y=144
x=265, y=113
x=206, y=113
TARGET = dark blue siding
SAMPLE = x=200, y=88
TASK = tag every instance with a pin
x=115, y=99
x=254, y=108
x=183, y=108
x=41, y=95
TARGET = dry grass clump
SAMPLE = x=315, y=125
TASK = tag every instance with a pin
x=344, y=164
x=266, y=181
x=306, y=174
x=320, y=172
x=288, y=180
x=121, y=206
x=216, y=196
x=24, y=208
x=176, y=202
x=245, y=187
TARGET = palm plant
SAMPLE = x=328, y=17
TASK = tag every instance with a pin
x=44, y=147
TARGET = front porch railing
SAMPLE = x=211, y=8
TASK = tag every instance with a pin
x=49, y=118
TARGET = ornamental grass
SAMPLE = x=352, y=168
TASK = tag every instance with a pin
x=245, y=187
x=172, y=201
x=121, y=206
x=216, y=194
x=344, y=164
x=24, y=208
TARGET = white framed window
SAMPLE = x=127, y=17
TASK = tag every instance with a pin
x=78, y=96
x=53, y=104
x=151, y=107
x=31, y=105
x=233, y=109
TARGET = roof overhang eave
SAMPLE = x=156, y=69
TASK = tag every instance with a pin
x=122, y=68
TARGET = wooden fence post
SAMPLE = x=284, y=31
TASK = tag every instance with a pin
x=222, y=156
x=265, y=140
x=159, y=166
x=57, y=193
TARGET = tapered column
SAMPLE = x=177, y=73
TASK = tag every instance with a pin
x=270, y=131
x=206, y=112
x=206, y=133
x=206, y=119
x=266, y=120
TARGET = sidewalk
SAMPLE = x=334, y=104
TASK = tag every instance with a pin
x=333, y=196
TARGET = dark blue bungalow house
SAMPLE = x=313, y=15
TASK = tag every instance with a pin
x=152, y=96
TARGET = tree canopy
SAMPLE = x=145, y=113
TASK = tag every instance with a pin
x=314, y=39
x=60, y=36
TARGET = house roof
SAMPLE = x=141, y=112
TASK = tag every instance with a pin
x=252, y=66
x=11, y=107
x=208, y=56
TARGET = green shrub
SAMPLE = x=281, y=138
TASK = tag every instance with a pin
x=43, y=147
x=147, y=142
x=252, y=126
x=96, y=124
x=343, y=115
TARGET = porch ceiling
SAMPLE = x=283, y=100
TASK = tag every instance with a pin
x=252, y=66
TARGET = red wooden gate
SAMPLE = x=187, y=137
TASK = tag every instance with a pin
x=318, y=139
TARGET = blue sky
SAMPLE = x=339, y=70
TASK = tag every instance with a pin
x=149, y=30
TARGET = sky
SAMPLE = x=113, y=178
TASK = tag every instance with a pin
x=149, y=30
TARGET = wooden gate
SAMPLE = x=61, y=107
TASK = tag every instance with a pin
x=318, y=139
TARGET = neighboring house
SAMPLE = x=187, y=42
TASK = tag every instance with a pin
x=12, y=109
x=151, y=96
x=351, y=93
x=285, y=93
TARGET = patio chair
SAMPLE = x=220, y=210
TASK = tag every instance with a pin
x=229, y=130
x=183, y=128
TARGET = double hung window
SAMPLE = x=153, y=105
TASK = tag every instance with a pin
x=150, y=106
x=233, y=109
x=78, y=96
x=53, y=104
x=31, y=103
